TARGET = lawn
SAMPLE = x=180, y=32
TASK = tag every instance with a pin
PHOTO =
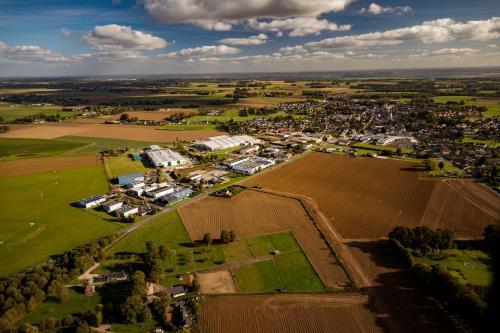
x=123, y=164
x=37, y=220
x=12, y=149
x=96, y=145
x=468, y=266
x=164, y=230
x=10, y=112
x=449, y=170
x=368, y=146
x=76, y=303
x=237, y=251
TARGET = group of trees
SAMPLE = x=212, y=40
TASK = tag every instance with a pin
x=134, y=308
x=4, y=128
x=21, y=293
x=226, y=237
x=152, y=260
x=422, y=238
x=127, y=118
x=35, y=117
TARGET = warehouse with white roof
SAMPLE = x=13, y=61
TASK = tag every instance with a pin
x=165, y=157
x=226, y=141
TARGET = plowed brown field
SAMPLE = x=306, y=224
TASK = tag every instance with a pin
x=253, y=213
x=288, y=313
x=44, y=164
x=367, y=198
x=129, y=132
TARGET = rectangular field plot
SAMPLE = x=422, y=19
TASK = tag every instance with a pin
x=11, y=149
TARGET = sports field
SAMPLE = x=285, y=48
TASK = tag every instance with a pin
x=37, y=220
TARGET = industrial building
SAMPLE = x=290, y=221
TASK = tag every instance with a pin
x=127, y=211
x=91, y=201
x=164, y=157
x=251, y=165
x=112, y=206
x=130, y=178
x=226, y=141
x=175, y=196
x=160, y=191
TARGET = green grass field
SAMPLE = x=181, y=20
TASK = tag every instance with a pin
x=12, y=149
x=368, y=146
x=76, y=303
x=122, y=164
x=12, y=111
x=493, y=105
x=189, y=127
x=37, y=220
x=481, y=142
x=468, y=266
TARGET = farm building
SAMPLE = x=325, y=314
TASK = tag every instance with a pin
x=91, y=201
x=127, y=211
x=130, y=178
x=112, y=206
x=165, y=157
x=226, y=141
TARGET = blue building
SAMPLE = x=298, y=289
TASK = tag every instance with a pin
x=129, y=178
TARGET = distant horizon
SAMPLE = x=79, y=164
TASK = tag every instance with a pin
x=313, y=73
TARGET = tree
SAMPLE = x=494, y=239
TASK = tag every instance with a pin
x=49, y=323
x=124, y=117
x=196, y=284
x=131, y=308
x=225, y=237
x=83, y=328
x=441, y=165
x=139, y=283
x=164, y=252
x=491, y=236
x=207, y=239
x=62, y=295
x=27, y=328
x=232, y=235
x=144, y=315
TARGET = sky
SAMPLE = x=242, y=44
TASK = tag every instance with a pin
x=119, y=37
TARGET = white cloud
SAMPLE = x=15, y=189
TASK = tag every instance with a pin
x=212, y=24
x=118, y=37
x=252, y=40
x=203, y=51
x=293, y=49
x=454, y=52
x=35, y=53
x=189, y=11
x=375, y=9
x=297, y=26
x=437, y=31
x=65, y=32
x=492, y=46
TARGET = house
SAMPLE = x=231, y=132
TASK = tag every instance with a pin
x=127, y=211
x=90, y=289
x=178, y=291
x=91, y=201
x=129, y=178
x=111, y=206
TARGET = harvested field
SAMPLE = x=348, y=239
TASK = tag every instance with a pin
x=399, y=305
x=130, y=132
x=45, y=164
x=366, y=198
x=253, y=213
x=216, y=282
x=155, y=115
x=288, y=313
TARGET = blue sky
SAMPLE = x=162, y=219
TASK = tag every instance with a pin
x=56, y=37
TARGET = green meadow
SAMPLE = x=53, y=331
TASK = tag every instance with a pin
x=37, y=219
x=10, y=112
x=11, y=149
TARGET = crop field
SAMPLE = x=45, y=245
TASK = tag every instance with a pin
x=127, y=132
x=468, y=266
x=288, y=313
x=155, y=115
x=11, y=149
x=37, y=220
x=96, y=145
x=366, y=198
x=46, y=164
x=10, y=112
x=399, y=304
x=216, y=282
x=252, y=213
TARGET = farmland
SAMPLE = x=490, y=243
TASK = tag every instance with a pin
x=37, y=220
x=367, y=198
x=11, y=149
x=288, y=313
x=10, y=112
x=252, y=213
x=47, y=164
x=139, y=133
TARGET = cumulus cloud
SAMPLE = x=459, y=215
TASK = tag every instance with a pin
x=192, y=11
x=217, y=25
x=35, y=53
x=118, y=37
x=437, y=31
x=375, y=9
x=297, y=26
x=454, y=52
x=293, y=49
x=203, y=51
x=252, y=40
x=65, y=32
